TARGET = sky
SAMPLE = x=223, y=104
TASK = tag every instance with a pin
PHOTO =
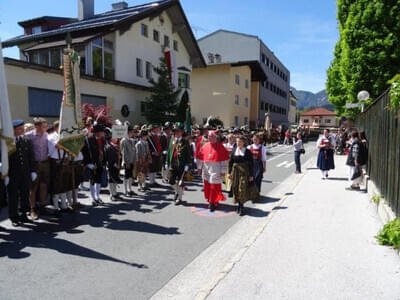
x=302, y=34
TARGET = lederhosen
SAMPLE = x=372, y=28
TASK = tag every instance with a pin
x=59, y=174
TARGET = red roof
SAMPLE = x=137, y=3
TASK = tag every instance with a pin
x=318, y=112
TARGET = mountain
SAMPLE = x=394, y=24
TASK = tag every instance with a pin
x=307, y=99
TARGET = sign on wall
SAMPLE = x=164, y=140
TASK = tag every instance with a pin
x=119, y=132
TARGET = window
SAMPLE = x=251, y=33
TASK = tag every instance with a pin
x=305, y=121
x=97, y=56
x=262, y=105
x=266, y=84
x=81, y=50
x=176, y=45
x=293, y=103
x=144, y=30
x=55, y=57
x=166, y=41
x=237, y=121
x=237, y=79
x=267, y=61
x=44, y=103
x=156, y=36
x=246, y=83
x=246, y=121
x=139, y=67
x=143, y=107
x=44, y=57
x=184, y=80
x=34, y=57
x=263, y=58
x=246, y=101
x=237, y=100
x=94, y=100
x=210, y=58
x=149, y=70
x=327, y=121
x=37, y=29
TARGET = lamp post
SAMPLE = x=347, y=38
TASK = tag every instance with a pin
x=363, y=96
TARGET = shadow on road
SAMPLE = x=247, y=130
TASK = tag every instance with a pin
x=16, y=241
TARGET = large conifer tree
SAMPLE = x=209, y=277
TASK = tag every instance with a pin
x=162, y=105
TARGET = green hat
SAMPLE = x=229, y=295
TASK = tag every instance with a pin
x=179, y=126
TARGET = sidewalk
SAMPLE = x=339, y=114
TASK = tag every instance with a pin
x=318, y=243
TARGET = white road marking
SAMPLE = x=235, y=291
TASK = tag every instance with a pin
x=289, y=165
x=282, y=164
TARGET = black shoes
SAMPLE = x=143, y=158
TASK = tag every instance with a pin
x=131, y=193
x=15, y=223
x=116, y=198
x=212, y=207
x=155, y=185
x=24, y=219
x=241, y=209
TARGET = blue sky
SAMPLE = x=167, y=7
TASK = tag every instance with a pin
x=301, y=33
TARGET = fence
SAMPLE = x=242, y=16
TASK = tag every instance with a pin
x=382, y=129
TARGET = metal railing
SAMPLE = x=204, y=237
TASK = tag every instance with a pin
x=383, y=133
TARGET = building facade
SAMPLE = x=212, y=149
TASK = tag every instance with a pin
x=224, y=90
x=292, y=109
x=118, y=49
x=319, y=118
x=273, y=93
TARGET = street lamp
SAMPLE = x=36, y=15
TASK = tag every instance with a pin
x=363, y=96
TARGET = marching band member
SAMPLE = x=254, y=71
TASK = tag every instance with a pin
x=156, y=153
x=143, y=159
x=178, y=160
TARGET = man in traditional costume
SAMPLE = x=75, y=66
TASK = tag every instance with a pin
x=156, y=154
x=143, y=159
x=178, y=160
x=165, y=139
x=93, y=153
x=212, y=161
x=128, y=152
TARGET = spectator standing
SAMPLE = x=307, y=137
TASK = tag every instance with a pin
x=287, y=136
x=128, y=152
x=355, y=160
x=298, y=150
x=39, y=140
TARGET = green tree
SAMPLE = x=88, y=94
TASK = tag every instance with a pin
x=367, y=54
x=162, y=105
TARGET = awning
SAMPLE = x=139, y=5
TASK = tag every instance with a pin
x=62, y=43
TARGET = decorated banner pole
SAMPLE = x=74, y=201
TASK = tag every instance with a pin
x=6, y=131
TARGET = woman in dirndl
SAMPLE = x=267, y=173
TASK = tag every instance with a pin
x=241, y=173
x=259, y=154
x=326, y=145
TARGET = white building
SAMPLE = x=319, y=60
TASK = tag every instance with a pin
x=319, y=118
x=118, y=50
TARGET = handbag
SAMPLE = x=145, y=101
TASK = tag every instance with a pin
x=302, y=151
x=357, y=173
x=254, y=193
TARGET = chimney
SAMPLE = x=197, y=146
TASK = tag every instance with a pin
x=85, y=9
x=119, y=5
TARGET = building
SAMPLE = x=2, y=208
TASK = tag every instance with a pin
x=118, y=50
x=273, y=94
x=319, y=118
x=292, y=109
x=226, y=91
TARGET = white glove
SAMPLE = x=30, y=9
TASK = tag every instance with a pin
x=33, y=176
x=165, y=152
x=186, y=168
x=90, y=166
x=166, y=167
x=6, y=181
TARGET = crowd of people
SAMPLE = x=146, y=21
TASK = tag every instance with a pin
x=41, y=173
x=45, y=179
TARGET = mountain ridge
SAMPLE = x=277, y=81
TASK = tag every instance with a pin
x=306, y=99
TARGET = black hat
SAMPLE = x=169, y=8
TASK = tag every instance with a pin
x=98, y=128
x=179, y=126
x=167, y=125
x=130, y=128
x=144, y=133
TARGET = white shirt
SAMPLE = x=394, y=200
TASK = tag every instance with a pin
x=240, y=152
x=52, y=141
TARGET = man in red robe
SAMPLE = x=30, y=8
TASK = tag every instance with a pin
x=212, y=161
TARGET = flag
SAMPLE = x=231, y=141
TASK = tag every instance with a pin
x=6, y=131
x=188, y=123
x=71, y=136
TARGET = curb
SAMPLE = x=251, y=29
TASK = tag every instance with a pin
x=219, y=256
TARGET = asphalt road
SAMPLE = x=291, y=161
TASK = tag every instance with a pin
x=122, y=250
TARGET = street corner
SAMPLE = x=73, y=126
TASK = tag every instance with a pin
x=223, y=210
